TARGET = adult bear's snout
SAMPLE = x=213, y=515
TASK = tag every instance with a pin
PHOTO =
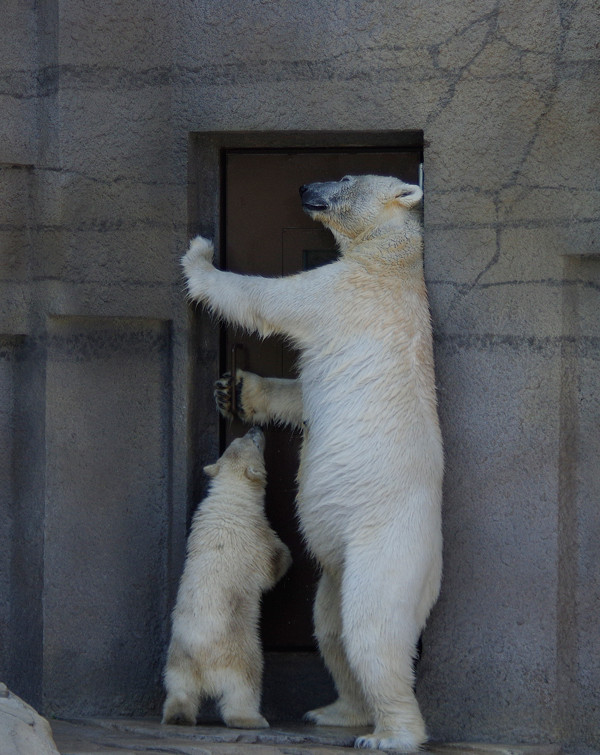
x=312, y=198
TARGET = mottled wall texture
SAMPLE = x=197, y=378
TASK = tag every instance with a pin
x=100, y=356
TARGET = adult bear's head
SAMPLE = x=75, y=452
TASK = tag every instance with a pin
x=356, y=204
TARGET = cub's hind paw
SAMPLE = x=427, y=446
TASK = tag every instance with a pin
x=179, y=721
x=179, y=715
x=179, y=709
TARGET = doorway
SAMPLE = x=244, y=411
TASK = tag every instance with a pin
x=267, y=233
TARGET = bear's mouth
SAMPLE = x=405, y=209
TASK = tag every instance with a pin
x=315, y=205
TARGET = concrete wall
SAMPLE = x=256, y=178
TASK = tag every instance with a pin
x=98, y=349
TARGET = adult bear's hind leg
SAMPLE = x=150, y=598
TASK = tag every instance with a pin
x=380, y=635
x=350, y=708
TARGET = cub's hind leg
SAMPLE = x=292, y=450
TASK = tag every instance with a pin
x=183, y=697
x=238, y=690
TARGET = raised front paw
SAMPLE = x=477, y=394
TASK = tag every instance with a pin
x=199, y=254
x=247, y=400
x=228, y=397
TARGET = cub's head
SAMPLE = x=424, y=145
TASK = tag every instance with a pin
x=243, y=459
x=355, y=204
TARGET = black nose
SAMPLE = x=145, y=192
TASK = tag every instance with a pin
x=303, y=188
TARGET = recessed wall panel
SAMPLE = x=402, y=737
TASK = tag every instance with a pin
x=107, y=514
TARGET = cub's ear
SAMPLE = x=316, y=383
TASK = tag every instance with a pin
x=212, y=469
x=254, y=474
x=409, y=195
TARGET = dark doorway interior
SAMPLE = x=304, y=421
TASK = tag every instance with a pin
x=267, y=233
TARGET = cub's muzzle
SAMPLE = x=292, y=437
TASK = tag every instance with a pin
x=257, y=436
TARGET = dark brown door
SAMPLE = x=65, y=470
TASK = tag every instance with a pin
x=267, y=233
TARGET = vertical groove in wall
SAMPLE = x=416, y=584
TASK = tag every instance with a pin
x=8, y=347
x=567, y=508
x=23, y=505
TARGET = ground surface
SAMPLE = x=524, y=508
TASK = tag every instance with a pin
x=120, y=736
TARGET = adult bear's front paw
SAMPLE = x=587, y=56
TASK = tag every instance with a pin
x=228, y=397
x=200, y=254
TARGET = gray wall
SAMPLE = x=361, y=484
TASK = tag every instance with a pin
x=98, y=352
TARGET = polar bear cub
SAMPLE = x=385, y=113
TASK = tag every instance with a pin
x=370, y=477
x=233, y=556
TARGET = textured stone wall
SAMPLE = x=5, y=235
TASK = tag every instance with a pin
x=96, y=342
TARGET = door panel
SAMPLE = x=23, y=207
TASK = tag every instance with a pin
x=267, y=233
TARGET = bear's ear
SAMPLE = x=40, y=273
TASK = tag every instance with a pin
x=211, y=469
x=254, y=474
x=409, y=195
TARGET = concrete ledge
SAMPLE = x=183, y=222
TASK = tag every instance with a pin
x=129, y=735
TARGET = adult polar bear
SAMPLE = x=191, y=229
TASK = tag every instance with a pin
x=369, y=497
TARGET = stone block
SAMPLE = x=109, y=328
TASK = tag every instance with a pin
x=134, y=144
x=582, y=33
x=22, y=730
x=533, y=27
x=528, y=254
x=16, y=221
x=459, y=255
x=18, y=137
x=547, y=206
x=507, y=308
x=564, y=152
x=95, y=40
x=482, y=133
x=460, y=208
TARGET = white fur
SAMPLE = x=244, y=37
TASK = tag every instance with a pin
x=233, y=556
x=370, y=478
